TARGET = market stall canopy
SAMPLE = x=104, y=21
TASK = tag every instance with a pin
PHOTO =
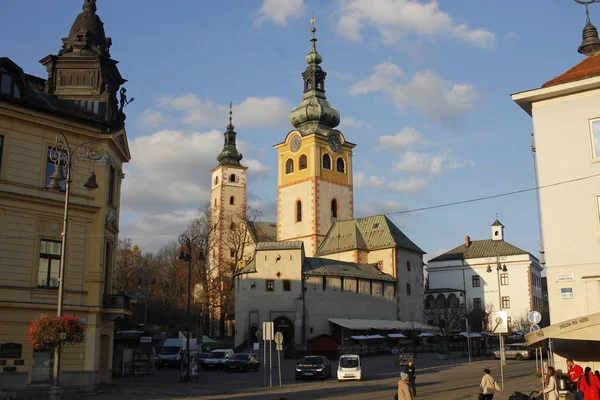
x=580, y=328
x=472, y=335
x=427, y=334
x=208, y=340
x=396, y=335
x=379, y=324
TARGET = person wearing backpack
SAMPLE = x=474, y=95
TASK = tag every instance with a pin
x=551, y=390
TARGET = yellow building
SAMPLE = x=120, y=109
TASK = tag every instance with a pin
x=78, y=100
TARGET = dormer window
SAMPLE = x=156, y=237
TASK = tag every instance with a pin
x=8, y=85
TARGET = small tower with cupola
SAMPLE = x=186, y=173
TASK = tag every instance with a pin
x=314, y=185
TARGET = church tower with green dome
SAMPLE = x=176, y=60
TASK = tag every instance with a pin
x=314, y=186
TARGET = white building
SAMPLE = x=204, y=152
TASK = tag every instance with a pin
x=566, y=123
x=317, y=267
x=490, y=273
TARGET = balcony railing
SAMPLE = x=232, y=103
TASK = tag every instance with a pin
x=116, y=301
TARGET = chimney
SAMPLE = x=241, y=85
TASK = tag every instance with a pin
x=467, y=241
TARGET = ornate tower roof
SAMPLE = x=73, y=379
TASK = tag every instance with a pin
x=87, y=34
x=590, y=45
x=230, y=154
x=314, y=114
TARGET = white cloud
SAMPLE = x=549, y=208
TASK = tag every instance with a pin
x=167, y=180
x=421, y=163
x=396, y=19
x=402, y=140
x=253, y=112
x=151, y=119
x=349, y=122
x=279, y=11
x=374, y=182
x=435, y=97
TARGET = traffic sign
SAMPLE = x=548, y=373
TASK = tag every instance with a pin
x=279, y=338
x=534, y=317
x=534, y=327
x=279, y=347
x=499, y=320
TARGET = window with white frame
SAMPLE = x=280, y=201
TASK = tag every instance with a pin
x=595, y=137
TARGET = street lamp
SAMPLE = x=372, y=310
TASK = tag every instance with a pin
x=187, y=256
x=65, y=160
x=148, y=287
x=500, y=268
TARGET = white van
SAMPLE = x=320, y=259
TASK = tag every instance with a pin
x=349, y=368
x=172, y=351
x=216, y=358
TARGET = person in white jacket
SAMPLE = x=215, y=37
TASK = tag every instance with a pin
x=551, y=389
x=488, y=385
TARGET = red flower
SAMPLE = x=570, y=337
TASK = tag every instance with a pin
x=51, y=332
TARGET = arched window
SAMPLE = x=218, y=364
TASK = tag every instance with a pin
x=334, y=210
x=452, y=300
x=430, y=302
x=298, y=211
x=302, y=162
x=341, y=167
x=216, y=180
x=232, y=200
x=440, y=301
x=326, y=161
x=289, y=166
x=232, y=178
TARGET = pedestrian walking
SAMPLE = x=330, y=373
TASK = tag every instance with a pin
x=551, y=390
x=488, y=386
x=575, y=374
x=589, y=385
x=412, y=376
x=403, y=389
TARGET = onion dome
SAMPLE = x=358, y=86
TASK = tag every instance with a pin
x=314, y=114
x=230, y=154
x=590, y=44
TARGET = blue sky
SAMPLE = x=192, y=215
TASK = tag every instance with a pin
x=423, y=89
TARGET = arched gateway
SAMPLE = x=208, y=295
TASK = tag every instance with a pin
x=286, y=327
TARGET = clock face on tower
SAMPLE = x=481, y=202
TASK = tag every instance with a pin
x=296, y=143
x=334, y=141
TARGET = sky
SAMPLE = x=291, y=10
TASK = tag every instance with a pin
x=423, y=89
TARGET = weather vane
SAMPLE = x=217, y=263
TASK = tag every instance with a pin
x=586, y=3
x=230, y=112
x=312, y=22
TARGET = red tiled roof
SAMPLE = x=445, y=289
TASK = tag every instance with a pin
x=588, y=68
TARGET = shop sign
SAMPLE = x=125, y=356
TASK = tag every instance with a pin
x=565, y=277
x=146, y=339
x=566, y=293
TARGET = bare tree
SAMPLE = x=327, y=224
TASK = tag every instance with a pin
x=129, y=260
x=448, y=319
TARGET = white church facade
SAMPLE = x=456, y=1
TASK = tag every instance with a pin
x=317, y=267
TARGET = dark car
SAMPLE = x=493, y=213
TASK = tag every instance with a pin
x=242, y=362
x=313, y=367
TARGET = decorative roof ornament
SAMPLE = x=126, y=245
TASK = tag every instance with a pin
x=230, y=155
x=590, y=45
x=87, y=36
x=314, y=114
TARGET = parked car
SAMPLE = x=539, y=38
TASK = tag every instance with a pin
x=516, y=351
x=172, y=350
x=242, y=362
x=216, y=358
x=313, y=366
x=349, y=368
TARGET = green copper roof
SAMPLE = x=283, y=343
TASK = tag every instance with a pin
x=369, y=233
x=263, y=231
x=327, y=267
x=314, y=114
x=497, y=223
x=481, y=249
x=293, y=245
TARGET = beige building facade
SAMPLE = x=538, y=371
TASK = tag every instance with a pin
x=77, y=100
x=566, y=127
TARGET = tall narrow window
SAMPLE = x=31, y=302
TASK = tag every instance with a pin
x=289, y=166
x=341, y=167
x=111, y=185
x=232, y=178
x=216, y=180
x=408, y=289
x=232, y=200
x=504, y=279
x=302, y=162
x=326, y=161
x=49, y=263
x=334, y=210
x=107, y=266
x=408, y=266
x=215, y=202
x=298, y=211
x=50, y=170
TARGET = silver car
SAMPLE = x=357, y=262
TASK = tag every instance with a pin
x=516, y=351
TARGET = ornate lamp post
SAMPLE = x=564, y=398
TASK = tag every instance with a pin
x=499, y=268
x=66, y=160
x=187, y=256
